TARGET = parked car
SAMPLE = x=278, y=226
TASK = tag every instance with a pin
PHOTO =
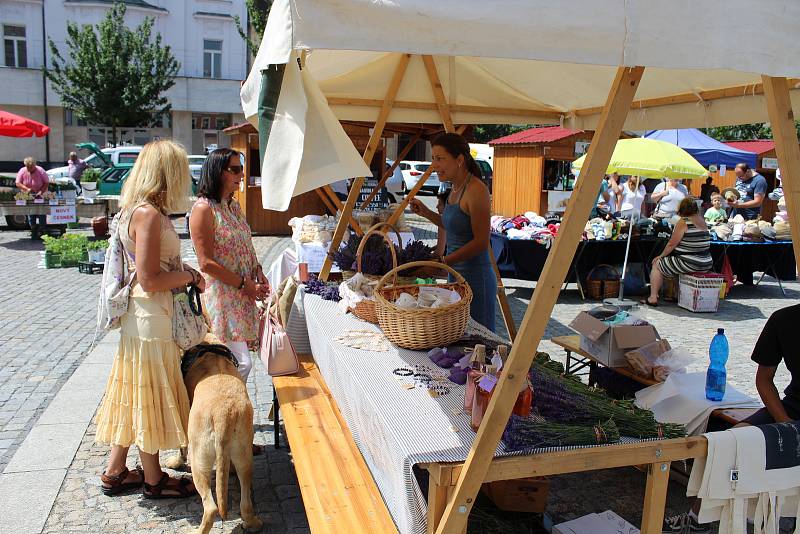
x=413, y=171
x=196, y=165
x=99, y=158
x=395, y=184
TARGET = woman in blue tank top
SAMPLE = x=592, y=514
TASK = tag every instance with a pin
x=466, y=223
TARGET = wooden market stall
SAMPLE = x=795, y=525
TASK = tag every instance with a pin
x=532, y=169
x=465, y=74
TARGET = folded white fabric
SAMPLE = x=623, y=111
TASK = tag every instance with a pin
x=681, y=399
x=749, y=472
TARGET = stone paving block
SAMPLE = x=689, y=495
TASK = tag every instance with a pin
x=47, y=447
x=87, y=377
x=72, y=406
x=28, y=515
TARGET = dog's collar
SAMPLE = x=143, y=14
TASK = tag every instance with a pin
x=191, y=356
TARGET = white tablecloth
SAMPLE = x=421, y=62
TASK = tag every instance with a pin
x=393, y=427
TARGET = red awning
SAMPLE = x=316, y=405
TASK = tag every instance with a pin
x=15, y=126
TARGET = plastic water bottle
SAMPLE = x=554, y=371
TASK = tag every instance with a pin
x=717, y=375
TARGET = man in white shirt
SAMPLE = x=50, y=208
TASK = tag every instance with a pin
x=668, y=195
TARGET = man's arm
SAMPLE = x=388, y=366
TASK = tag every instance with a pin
x=769, y=393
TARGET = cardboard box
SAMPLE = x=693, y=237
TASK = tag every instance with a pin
x=608, y=344
x=527, y=495
x=603, y=523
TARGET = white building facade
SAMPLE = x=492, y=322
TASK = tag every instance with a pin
x=205, y=98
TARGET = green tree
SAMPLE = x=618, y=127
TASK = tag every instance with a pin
x=483, y=133
x=257, y=12
x=744, y=132
x=115, y=76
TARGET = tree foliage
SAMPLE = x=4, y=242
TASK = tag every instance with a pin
x=483, y=133
x=115, y=76
x=257, y=12
x=743, y=132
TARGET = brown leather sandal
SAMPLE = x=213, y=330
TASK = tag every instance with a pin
x=116, y=484
x=178, y=488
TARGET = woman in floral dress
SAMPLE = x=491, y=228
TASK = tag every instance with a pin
x=224, y=247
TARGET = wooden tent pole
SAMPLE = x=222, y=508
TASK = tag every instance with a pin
x=784, y=134
x=400, y=157
x=325, y=200
x=372, y=147
x=544, y=299
x=438, y=93
x=327, y=190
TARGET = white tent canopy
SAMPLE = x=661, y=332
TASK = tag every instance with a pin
x=538, y=61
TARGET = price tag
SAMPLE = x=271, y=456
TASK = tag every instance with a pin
x=21, y=202
x=54, y=202
x=70, y=201
x=61, y=215
x=38, y=201
x=487, y=383
x=86, y=200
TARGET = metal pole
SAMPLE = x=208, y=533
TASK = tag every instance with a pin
x=633, y=218
x=44, y=85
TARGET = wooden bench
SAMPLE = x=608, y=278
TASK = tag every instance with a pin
x=572, y=344
x=338, y=491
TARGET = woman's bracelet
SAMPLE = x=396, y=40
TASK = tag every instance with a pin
x=193, y=281
x=241, y=285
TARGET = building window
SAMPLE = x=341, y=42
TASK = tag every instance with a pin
x=212, y=59
x=16, y=50
x=205, y=123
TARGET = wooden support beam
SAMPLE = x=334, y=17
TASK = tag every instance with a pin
x=502, y=300
x=337, y=204
x=655, y=498
x=402, y=205
x=400, y=157
x=531, y=113
x=544, y=298
x=784, y=134
x=438, y=93
x=690, y=98
x=325, y=200
x=372, y=147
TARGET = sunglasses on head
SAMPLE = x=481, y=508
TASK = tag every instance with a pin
x=234, y=169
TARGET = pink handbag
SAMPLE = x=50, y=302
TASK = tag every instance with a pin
x=277, y=352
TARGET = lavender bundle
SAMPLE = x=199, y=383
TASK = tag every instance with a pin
x=376, y=259
x=315, y=286
x=522, y=433
x=568, y=400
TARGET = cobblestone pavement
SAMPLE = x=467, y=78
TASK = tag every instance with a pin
x=80, y=507
x=47, y=325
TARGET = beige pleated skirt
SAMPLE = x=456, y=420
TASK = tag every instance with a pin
x=145, y=402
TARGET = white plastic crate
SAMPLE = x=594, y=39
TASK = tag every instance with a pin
x=699, y=293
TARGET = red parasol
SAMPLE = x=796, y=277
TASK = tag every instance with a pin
x=15, y=126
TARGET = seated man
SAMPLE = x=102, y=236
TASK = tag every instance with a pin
x=775, y=344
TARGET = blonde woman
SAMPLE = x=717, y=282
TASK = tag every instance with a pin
x=146, y=403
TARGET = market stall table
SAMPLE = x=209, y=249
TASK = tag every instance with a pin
x=524, y=259
x=572, y=345
x=397, y=428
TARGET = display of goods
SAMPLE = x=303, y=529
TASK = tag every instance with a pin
x=22, y=195
x=376, y=258
x=524, y=433
x=700, y=292
x=568, y=400
x=365, y=219
x=315, y=286
x=422, y=328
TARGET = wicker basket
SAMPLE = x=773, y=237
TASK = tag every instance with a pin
x=422, y=328
x=347, y=275
x=365, y=310
x=602, y=289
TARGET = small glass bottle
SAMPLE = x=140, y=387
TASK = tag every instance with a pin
x=476, y=363
x=502, y=351
x=480, y=401
x=524, y=402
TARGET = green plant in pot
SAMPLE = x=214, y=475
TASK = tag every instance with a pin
x=97, y=250
x=67, y=250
